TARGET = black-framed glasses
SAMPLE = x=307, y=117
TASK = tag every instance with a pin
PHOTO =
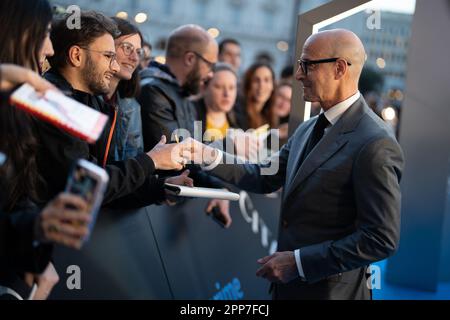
x=210, y=64
x=305, y=63
x=128, y=49
x=111, y=56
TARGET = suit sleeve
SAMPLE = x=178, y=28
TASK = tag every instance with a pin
x=376, y=177
x=258, y=178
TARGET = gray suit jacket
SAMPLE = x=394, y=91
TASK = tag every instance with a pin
x=341, y=208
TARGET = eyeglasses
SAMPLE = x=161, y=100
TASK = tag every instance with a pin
x=210, y=64
x=305, y=63
x=128, y=49
x=111, y=56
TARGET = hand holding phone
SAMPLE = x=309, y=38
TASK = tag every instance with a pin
x=2, y=159
x=89, y=182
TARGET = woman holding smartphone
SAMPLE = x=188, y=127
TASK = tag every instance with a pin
x=27, y=231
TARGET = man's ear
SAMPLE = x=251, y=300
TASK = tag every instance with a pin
x=189, y=59
x=75, y=56
x=341, y=69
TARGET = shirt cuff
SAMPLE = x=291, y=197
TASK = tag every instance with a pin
x=298, y=261
x=215, y=163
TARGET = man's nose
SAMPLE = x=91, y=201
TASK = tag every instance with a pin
x=115, y=66
x=300, y=75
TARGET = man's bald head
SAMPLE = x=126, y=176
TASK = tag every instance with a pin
x=330, y=82
x=191, y=55
x=339, y=43
x=188, y=38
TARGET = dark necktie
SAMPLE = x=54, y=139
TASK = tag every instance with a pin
x=314, y=138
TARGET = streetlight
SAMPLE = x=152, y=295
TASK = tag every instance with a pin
x=122, y=15
x=214, y=32
x=381, y=63
x=140, y=17
x=283, y=46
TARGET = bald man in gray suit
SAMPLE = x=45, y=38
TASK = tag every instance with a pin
x=340, y=173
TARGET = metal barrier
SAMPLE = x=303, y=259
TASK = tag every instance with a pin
x=163, y=252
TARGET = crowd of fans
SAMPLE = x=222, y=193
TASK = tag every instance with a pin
x=106, y=64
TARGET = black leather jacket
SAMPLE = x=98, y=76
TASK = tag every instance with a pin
x=132, y=182
x=165, y=107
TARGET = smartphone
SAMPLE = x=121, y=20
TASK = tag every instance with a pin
x=218, y=217
x=2, y=159
x=89, y=182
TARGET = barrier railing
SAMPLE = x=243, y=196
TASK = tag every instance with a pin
x=179, y=252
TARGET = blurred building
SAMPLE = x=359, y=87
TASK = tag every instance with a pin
x=264, y=27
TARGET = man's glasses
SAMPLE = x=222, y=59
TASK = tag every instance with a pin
x=304, y=64
x=210, y=64
x=111, y=56
x=128, y=49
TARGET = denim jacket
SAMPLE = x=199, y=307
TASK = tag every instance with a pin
x=129, y=129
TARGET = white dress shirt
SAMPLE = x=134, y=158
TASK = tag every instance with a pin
x=333, y=115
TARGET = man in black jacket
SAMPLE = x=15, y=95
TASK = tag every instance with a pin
x=191, y=56
x=166, y=90
x=82, y=67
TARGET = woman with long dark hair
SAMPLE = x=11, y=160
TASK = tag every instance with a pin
x=26, y=43
x=25, y=40
x=258, y=95
x=281, y=109
x=124, y=87
x=26, y=231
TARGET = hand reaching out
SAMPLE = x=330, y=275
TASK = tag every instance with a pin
x=197, y=152
x=181, y=180
x=167, y=156
x=12, y=75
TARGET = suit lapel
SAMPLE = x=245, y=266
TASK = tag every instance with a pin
x=327, y=147
x=300, y=145
x=331, y=143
